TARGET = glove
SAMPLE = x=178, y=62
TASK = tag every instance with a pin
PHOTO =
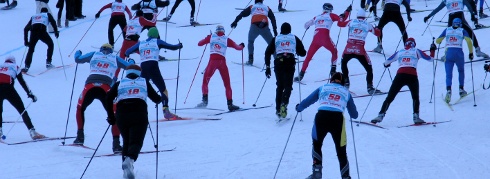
x=372, y=8
x=97, y=15
x=426, y=18
x=111, y=119
x=409, y=19
x=275, y=32
x=233, y=25
x=433, y=47
x=78, y=54
x=59, y=4
x=386, y=65
x=30, y=95
x=342, y=16
x=181, y=46
x=297, y=105
x=26, y=43
x=166, y=3
x=268, y=72
x=242, y=44
x=131, y=61
x=471, y=56
x=349, y=8
x=56, y=34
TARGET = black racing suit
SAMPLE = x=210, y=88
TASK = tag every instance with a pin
x=391, y=13
x=191, y=2
x=39, y=32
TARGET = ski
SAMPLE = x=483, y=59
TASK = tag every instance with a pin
x=142, y=152
x=206, y=108
x=374, y=52
x=12, y=121
x=417, y=11
x=239, y=63
x=300, y=82
x=482, y=27
x=478, y=60
x=368, y=123
x=78, y=145
x=288, y=11
x=47, y=70
x=423, y=124
x=447, y=104
x=238, y=110
x=354, y=95
x=189, y=118
x=327, y=79
x=39, y=140
x=166, y=21
x=457, y=101
x=281, y=121
x=195, y=25
x=176, y=59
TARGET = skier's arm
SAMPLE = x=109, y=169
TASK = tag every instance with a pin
x=163, y=44
x=232, y=44
x=84, y=58
x=246, y=12
x=271, y=48
x=132, y=49
x=111, y=95
x=390, y=60
x=312, y=98
x=52, y=22
x=204, y=41
x=273, y=19
x=23, y=83
x=351, y=108
x=422, y=54
x=26, y=30
x=441, y=37
x=145, y=22
x=129, y=12
x=136, y=6
x=437, y=9
x=152, y=94
x=309, y=23
x=374, y=30
x=121, y=63
x=105, y=7
x=162, y=3
x=300, y=48
x=407, y=7
x=468, y=41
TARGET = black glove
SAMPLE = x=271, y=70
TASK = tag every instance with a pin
x=275, y=32
x=111, y=119
x=426, y=18
x=30, y=95
x=233, y=25
x=349, y=8
x=297, y=105
x=372, y=8
x=131, y=61
x=26, y=43
x=166, y=3
x=409, y=19
x=59, y=4
x=97, y=15
x=242, y=44
x=342, y=16
x=56, y=34
x=181, y=46
x=386, y=66
x=433, y=47
x=268, y=72
x=471, y=56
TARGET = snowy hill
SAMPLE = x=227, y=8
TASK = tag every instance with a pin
x=247, y=144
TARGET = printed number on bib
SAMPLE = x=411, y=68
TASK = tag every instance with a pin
x=454, y=4
x=103, y=65
x=284, y=44
x=357, y=31
x=4, y=69
x=453, y=39
x=217, y=46
x=406, y=60
x=334, y=97
x=134, y=91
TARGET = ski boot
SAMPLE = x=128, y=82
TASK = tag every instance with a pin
x=80, y=138
x=13, y=4
x=346, y=83
x=193, y=23
x=478, y=26
x=49, y=65
x=416, y=119
x=372, y=90
x=58, y=22
x=447, y=99
x=482, y=15
x=300, y=76
x=168, y=115
x=25, y=69
x=161, y=58
x=378, y=49
x=462, y=92
x=204, y=102
x=81, y=17
x=166, y=19
x=283, y=110
x=333, y=69
x=232, y=107
x=378, y=119
x=35, y=135
x=128, y=168
x=346, y=177
x=317, y=172
x=116, y=146
x=250, y=59
x=479, y=53
x=280, y=9
x=1, y=132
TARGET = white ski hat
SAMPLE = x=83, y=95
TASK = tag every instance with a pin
x=361, y=13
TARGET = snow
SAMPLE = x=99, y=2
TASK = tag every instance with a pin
x=246, y=144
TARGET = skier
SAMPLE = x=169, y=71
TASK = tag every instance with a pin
x=455, y=10
x=117, y=17
x=280, y=8
x=406, y=75
x=177, y=3
x=333, y=99
x=482, y=15
x=323, y=23
x=454, y=55
x=40, y=4
x=288, y=45
x=372, y=9
x=131, y=113
x=217, y=61
x=77, y=9
x=391, y=13
x=150, y=50
x=9, y=71
x=358, y=30
x=259, y=26
x=37, y=25
x=69, y=16
x=103, y=65
x=150, y=9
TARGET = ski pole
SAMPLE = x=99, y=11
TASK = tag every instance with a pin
x=434, y=71
x=443, y=17
x=23, y=56
x=5, y=136
x=82, y=38
x=243, y=79
x=198, y=8
x=384, y=55
x=404, y=32
x=304, y=33
x=287, y=141
x=473, y=83
x=156, y=146
x=372, y=95
x=61, y=56
x=95, y=151
x=178, y=77
x=427, y=27
x=355, y=149
x=260, y=92
x=69, y=106
x=230, y=32
x=195, y=73
x=248, y=4
x=300, y=99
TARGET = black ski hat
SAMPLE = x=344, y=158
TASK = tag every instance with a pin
x=44, y=9
x=337, y=77
x=285, y=28
x=139, y=13
x=257, y=1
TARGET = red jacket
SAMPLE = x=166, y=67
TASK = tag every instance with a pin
x=116, y=13
x=230, y=43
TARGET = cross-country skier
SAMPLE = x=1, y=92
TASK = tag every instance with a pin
x=37, y=25
x=117, y=17
x=406, y=75
x=333, y=99
x=323, y=23
x=391, y=13
x=103, y=65
x=455, y=10
x=177, y=3
x=218, y=43
x=44, y=4
x=260, y=25
x=285, y=46
x=358, y=31
x=131, y=113
x=150, y=9
x=482, y=15
x=149, y=52
x=9, y=71
x=454, y=55
x=372, y=9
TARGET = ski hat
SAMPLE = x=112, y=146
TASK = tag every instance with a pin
x=133, y=69
x=337, y=77
x=327, y=7
x=257, y=1
x=44, y=9
x=10, y=59
x=220, y=28
x=153, y=32
x=410, y=43
x=457, y=22
x=139, y=13
x=361, y=13
x=285, y=28
x=106, y=48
